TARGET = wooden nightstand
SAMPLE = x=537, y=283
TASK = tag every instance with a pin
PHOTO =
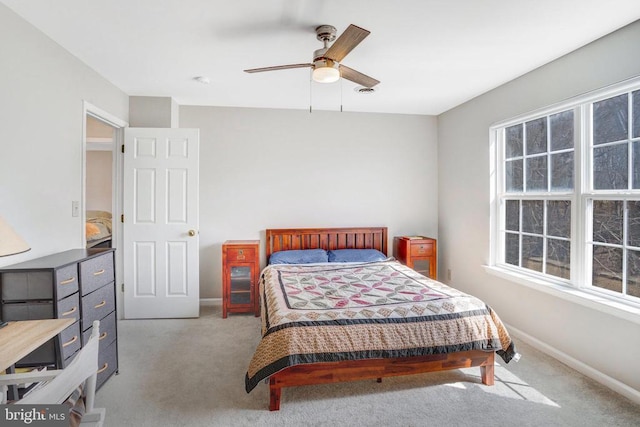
x=240, y=270
x=417, y=252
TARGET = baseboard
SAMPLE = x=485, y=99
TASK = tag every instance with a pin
x=594, y=374
x=210, y=301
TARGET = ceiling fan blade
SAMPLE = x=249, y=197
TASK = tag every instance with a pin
x=357, y=77
x=344, y=44
x=277, y=67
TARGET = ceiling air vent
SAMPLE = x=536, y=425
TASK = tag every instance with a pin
x=364, y=90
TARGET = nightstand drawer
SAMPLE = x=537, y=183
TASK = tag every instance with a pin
x=241, y=254
x=96, y=272
x=421, y=249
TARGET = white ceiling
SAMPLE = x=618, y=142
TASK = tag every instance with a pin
x=430, y=55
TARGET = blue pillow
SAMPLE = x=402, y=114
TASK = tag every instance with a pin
x=303, y=256
x=356, y=255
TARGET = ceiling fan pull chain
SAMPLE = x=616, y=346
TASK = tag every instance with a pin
x=341, y=94
x=310, y=90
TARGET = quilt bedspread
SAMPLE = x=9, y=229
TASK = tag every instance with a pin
x=328, y=313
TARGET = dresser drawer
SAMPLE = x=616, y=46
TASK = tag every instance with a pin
x=241, y=254
x=96, y=272
x=34, y=285
x=67, y=280
x=107, y=331
x=97, y=305
x=107, y=363
x=421, y=249
x=70, y=340
x=69, y=308
x=27, y=310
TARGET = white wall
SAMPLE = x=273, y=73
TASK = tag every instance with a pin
x=42, y=88
x=264, y=169
x=603, y=342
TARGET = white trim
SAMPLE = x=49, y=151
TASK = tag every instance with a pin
x=99, y=144
x=210, y=301
x=604, y=379
x=623, y=310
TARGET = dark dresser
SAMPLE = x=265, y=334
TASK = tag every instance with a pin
x=78, y=284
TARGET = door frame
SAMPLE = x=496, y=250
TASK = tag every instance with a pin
x=89, y=109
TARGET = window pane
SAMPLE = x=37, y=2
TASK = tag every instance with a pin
x=512, y=212
x=562, y=171
x=607, y=221
x=610, y=119
x=559, y=218
x=607, y=268
x=636, y=165
x=633, y=273
x=537, y=173
x=562, y=130
x=537, y=136
x=559, y=258
x=532, y=216
x=513, y=138
x=513, y=176
x=512, y=249
x=633, y=223
x=532, y=252
x=636, y=114
x=610, y=167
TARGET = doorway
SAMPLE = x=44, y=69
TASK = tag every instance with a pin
x=102, y=136
x=99, y=196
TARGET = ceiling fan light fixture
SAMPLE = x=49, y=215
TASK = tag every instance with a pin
x=326, y=71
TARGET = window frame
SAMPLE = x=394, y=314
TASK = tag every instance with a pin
x=581, y=197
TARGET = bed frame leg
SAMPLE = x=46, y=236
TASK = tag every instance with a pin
x=487, y=371
x=274, y=395
x=379, y=380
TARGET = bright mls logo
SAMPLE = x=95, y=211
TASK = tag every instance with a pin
x=34, y=415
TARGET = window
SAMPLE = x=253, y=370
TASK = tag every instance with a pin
x=568, y=193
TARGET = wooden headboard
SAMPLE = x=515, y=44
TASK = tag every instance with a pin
x=326, y=238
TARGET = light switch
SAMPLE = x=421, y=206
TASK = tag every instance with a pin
x=75, y=208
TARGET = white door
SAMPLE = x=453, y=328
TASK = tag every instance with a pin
x=160, y=242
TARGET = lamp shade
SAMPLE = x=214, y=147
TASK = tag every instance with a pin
x=326, y=74
x=10, y=242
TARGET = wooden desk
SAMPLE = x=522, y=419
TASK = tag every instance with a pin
x=20, y=338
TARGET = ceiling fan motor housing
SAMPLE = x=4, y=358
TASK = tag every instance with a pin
x=326, y=33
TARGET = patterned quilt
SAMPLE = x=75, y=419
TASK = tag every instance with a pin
x=333, y=312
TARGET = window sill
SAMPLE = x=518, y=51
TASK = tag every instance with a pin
x=623, y=310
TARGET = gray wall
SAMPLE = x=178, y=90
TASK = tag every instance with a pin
x=42, y=89
x=264, y=169
x=603, y=342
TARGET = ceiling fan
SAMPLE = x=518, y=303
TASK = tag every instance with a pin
x=326, y=61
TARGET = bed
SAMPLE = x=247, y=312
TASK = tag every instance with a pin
x=98, y=229
x=326, y=322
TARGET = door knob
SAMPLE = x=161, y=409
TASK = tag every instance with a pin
x=192, y=233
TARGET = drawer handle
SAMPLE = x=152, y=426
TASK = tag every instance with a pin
x=104, y=368
x=71, y=341
x=70, y=280
x=99, y=272
x=73, y=310
x=102, y=336
x=102, y=304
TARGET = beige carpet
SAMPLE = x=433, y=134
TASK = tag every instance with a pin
x=190, y=372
